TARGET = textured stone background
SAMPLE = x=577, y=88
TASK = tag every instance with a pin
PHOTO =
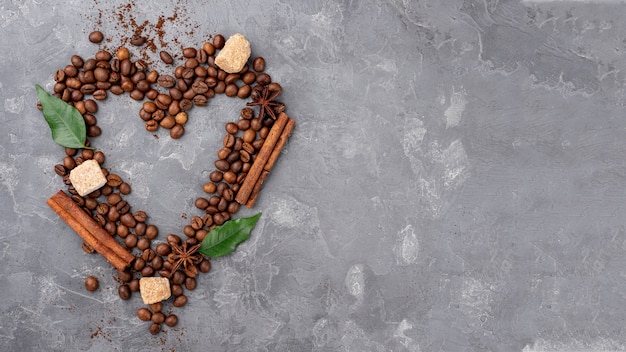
x=455, y=181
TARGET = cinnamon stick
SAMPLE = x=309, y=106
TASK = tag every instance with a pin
x=257, y=189
x=291, y=123
x=261, y=159
x=89, y=230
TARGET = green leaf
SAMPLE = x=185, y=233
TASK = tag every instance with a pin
x=223, y=240
x=66, y=123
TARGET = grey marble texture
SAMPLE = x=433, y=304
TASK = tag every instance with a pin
x=455, y=181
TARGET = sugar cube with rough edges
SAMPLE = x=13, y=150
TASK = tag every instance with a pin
x=234, y=55
x=154, y=289
x=87, y=177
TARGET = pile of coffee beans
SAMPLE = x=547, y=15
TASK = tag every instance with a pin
x=83, y=83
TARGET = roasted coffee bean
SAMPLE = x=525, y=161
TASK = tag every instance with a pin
x=258, y=64
x=60, y=170
x=106, y=190
x=233, y=207
x=147, y=271
x=114, y=180
x=166, y=57
x=222, y=165
x=216, y=176
x=163, y=249
x=166, y=81
x=136, y=94
x=152, y=125
x=201, y=234
x=124, y=292
x=243, y=125
x=90, y=203
x=205, y=266
x=256, y=124
x=173, y=239
x=137, y=40
x=156, y=307
x=122, y=231
x=122, y=53
x=158, y=317
x=199, y=87
x=208, y=48
x=219, y=41
x=128, y=220
x=191, y=63
x=209, y=187
x=200, y=100
x=248, y=78
x=130, y=240
x=123, y=207
x=114, y=198
x=152, y=232
x=221, y=187
x=90, y=119
x=224, y=152
x=137, y=77
x=180, y=301
x=148, y=254
x=158, y=115
x=142, y=243
x=231, y=128
x=77, y=61
x=201, y=203
x=103, y=55
x=238, y=144
x=187, y=73
x=263, y=132
x=263, y=79
x=133, y=285
x=189, y=231
x=138, y=264
x=140, y=216
x=124, y=276
x=214, y=200
x=124, y=188
x=218, y=219
x=229, y=141
x=110, y=228
x=102, y=208
x=155, y=328
x=181, y=118
x=71, y=71
x=141, y=65
x=117, y=90
x=176, y=289
x=167, y=122
x=185, y=105
x=177, y=131
x=152, y=76
x=228, y=194
x=171, y=320
x=157, y=263
x=96, y=37
x=144, y=314
x=235, y=168
x=152, y=94
x=91, y=283
x=190, y=283
x=223, y=204
x=178, y=278
x=220, y=87
x=59, y=76
x=232, y=157
x=143, y=86
x=196, y=222
x=100, y=219
x=189, y=52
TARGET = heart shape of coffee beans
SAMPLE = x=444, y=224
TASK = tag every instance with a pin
x=168, y=100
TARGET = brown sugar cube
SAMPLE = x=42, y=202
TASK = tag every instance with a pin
x=87, y=177
x=236, y=52
x=154, y=289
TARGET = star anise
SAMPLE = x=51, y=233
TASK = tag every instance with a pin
x=184, y=257
x=264, y=97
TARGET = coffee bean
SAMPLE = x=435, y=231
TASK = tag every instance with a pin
x=199, y=87
x=136, y=94
x=147, y=271
x=139, y=264
x=209, y=188
x=124, y=188
x=208, y=48
x=114, y=198
x=103, y=56
x=180, y=301
x=96, y=37
x=205, y=266
x=231, y=90
x=185, y=105
x=124, y=292
x=157, y=263
x=156, y=307
x=244, y=92
x=189, y=52
x=91, y=283
x=171, y=320
x=223, y=204
x=229, y=141
x=77, y=61
x=128, y=220
x=200, y=100
x=258, y=143
x=196, y=222
x=90, y=203
x=158, y=317
x=232, y=157
x=144, y=314
x=102, y=208
x=222, y=165
x=140, y=216
x=137, y=40
x=166, y=57
x=258, y=64
x=122, y=207
x=152, y=232
x=220, y=87
x=178, y=278
x=163, y=249
x=248, y=78
x=219, y=41
x=263, y=79
x=166, y=81
x=148, y=254
x=191, y=63
x=60, y=170
x=190, y=283
x=122, y=53
x=233, y=207
x=177, y=131
x=155, y=328
x=177, y=290
x=152, y=125
x=228, y=194
x=143, y=243
x=141, y=65
x=201, y=203
x=231, y=128
x=122, y=231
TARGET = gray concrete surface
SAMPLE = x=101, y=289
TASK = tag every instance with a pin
x=455, y=181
